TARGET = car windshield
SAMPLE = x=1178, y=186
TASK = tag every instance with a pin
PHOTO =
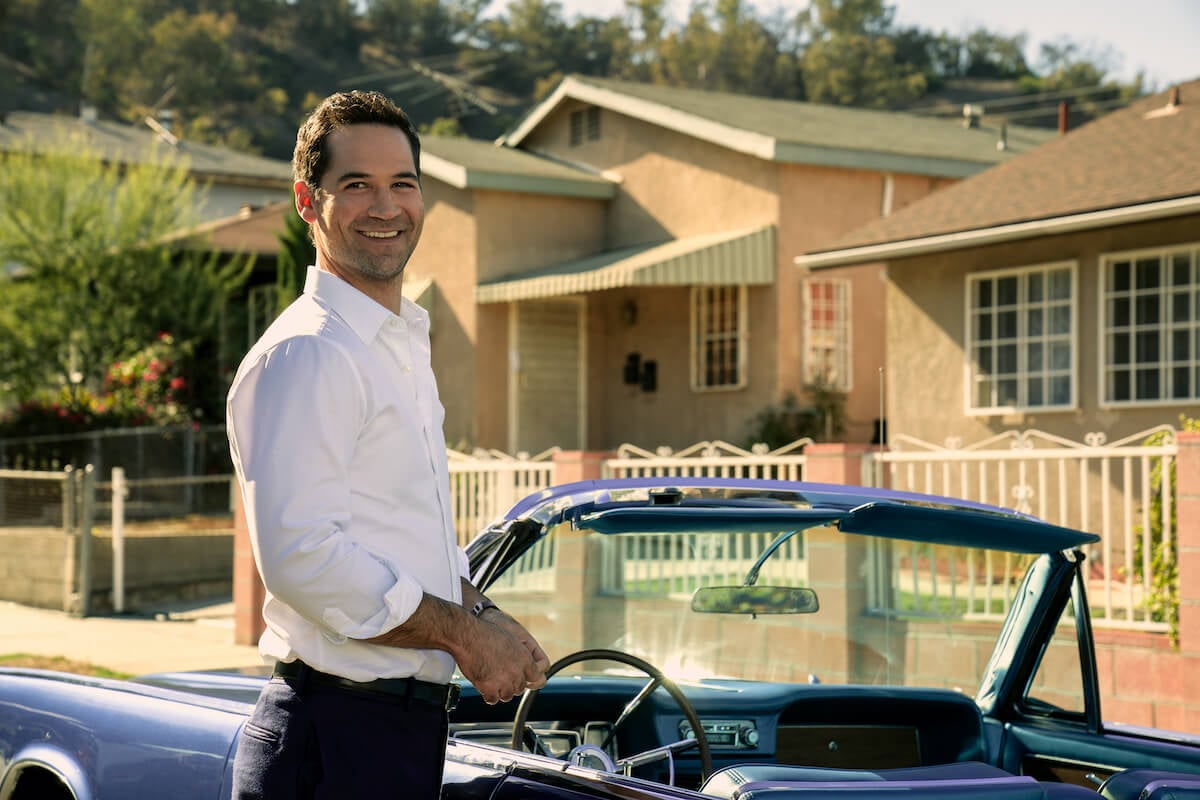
x=632, y=591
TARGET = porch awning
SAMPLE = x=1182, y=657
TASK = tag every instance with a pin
x=715, y=259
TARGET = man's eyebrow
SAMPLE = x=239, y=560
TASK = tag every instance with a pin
x=351, y=176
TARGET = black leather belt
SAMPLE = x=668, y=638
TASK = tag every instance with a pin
x=442, y=696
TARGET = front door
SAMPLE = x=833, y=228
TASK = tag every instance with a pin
x=546, y=378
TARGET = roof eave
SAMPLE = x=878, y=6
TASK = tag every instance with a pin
x=926, y=245
x=462, y=177
x=733, y=138
x=793, y=153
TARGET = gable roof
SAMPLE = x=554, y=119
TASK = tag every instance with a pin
x=477, y=164
x=1142, y=162
x=788, y=131
x=132, y=144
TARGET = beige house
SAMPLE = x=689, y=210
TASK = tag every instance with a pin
x=1058, y=292
x=618, y=267
x=232, y=180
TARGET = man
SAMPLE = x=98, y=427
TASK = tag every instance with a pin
x=335, y=428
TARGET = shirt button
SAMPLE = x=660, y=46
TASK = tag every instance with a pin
x=407, y=368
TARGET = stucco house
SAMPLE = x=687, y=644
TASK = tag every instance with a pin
x=233, y=180
x=1058, y=292
x=618, y=267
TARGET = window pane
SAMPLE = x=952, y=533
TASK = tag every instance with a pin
x=983, y=327
x=1147, y=384
x=1181, y=269
x=983, y=294
x=1181, y=309
x=1006, y=359
x=1034, y=322
x=1118, y=312
x=1180, y=351
x=1058, y=681
x=1120, y=276
x=1060, y=319
x=1006, y=325
x=1147, y=273
x=1034, y=288
x=1146, y=344
x=1119, y=385
x=1147, y=309
x=1035, y=392
x=1060, y=356
x=1118, y=348
x=1033, y=357
x=1060, y=284
x=1060, y=390
x=983, y=359
x=983, y=394
x=1181, y=383
x=1006, y=393
x=1006, y=291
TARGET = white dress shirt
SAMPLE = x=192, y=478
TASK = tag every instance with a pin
x=335, y=428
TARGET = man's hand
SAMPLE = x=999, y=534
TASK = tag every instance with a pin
x=537, y=678
x=499, y=664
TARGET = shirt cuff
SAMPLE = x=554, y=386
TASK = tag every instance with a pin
x=399, y=603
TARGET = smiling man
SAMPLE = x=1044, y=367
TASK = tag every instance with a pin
x=335, y=427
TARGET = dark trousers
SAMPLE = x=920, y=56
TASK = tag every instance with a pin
x=314, y=742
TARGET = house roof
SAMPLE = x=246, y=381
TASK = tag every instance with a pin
x=252, y=230
x=477, y=164
x=131, y=144
x=1139, y=163
x=713, y=259
x=794, y=132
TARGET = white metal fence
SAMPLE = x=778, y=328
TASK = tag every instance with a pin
x=1112, y=489
x=1105, y=488
x=714, y=459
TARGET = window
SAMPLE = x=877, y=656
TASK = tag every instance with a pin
x=827, y=333
x=1020, y=335
x=585, y=124
x=718, y=336
x=1151, y=326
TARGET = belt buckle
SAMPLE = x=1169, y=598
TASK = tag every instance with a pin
x=453, y=692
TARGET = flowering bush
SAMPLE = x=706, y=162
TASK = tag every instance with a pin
x=148, y=388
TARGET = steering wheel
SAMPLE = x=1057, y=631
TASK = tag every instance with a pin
x=522, y=733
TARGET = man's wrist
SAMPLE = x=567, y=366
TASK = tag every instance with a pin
x=481, y=606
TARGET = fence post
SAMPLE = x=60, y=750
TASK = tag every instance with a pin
x=1187, y=514
x=86, y=521
x=833, y=462
x=579, y=465
x=118, y=539
x=248, y=590
x=71, y=551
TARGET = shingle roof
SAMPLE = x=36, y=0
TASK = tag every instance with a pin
x=132, y=144
x=478, y=164
x=1144, y=153
x=796, y=132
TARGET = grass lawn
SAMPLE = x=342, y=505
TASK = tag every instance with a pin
x=60, y=664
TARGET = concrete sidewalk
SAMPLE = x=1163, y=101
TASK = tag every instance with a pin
x=179, y=638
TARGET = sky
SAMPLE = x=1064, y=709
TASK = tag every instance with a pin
x=1161, y=38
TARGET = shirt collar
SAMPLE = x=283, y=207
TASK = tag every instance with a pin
x=364, y=316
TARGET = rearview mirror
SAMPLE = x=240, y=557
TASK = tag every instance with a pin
x=754, y=600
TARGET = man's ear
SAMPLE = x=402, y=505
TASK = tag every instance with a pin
x=304, y=202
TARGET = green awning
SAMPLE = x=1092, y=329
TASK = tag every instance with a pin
x=745, y=257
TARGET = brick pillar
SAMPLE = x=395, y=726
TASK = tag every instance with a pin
x=1187, y=515
x=248, y=589
x=836, y=463
x=579, y=465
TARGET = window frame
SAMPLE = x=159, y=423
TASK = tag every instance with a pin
x=1163, y=327
x=970, y=340
x=842, y=347
x=698, y=362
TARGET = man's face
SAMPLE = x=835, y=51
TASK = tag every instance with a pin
x=368, y=213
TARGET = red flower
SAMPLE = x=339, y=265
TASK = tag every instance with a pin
x=178, y=383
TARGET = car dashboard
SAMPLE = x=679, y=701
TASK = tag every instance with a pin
x=816, y=725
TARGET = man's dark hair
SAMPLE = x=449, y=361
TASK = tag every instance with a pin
x=311, y=158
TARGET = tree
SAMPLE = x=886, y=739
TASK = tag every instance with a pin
x=95, y=271
x=851, y=60
x=296, y=252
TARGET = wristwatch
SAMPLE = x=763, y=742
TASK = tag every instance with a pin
x=482, y=606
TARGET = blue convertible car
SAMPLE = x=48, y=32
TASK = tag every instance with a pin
x=717, y=638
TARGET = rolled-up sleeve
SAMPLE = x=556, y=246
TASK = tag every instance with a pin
x=294, y=416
